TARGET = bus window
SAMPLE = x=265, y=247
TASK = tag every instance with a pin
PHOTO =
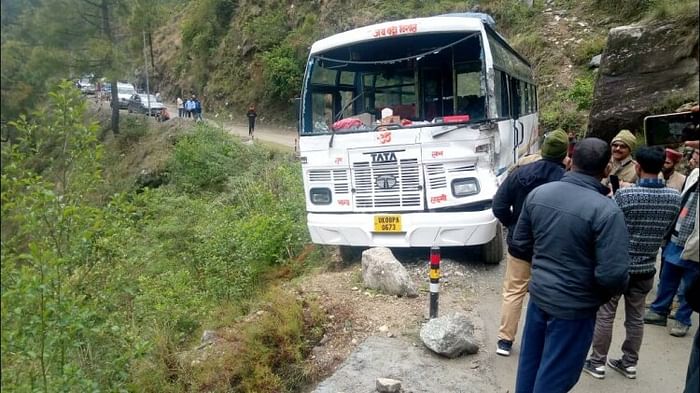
x=515, y=97
x=396, y=90
x=437, y=93
x=501, y=94
x=471, y=99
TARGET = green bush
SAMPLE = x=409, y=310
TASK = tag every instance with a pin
x=561, y=114
x=269, y=29
x=204, y=160
x=625, y=8
x=590, y=47
x=282, y=71
x=581, y=93
x=104, y=295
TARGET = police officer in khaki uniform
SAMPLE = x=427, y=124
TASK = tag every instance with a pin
x=622, y=146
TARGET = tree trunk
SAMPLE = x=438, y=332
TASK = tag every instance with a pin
x=107, y=31
x=150, y=47
x=115, y=106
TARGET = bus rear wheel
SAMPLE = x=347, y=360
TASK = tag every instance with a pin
x=492, y=252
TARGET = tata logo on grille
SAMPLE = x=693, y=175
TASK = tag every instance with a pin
x=386, y=182
x=384, y=157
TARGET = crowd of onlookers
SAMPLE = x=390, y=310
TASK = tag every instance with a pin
x=586, y=220
x=189, y=108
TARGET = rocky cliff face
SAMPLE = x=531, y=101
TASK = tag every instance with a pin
x=645, y=69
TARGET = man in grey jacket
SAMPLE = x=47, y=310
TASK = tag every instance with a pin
x=578, y=243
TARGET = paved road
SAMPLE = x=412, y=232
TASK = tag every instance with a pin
x=282, y=136
x=663, y=359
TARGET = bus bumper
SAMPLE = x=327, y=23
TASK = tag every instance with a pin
x=418, y=229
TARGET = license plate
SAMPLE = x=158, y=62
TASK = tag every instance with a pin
x=387, y=223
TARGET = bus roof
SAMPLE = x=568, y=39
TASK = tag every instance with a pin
x=442, y=23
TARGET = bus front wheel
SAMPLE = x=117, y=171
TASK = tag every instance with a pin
x=492, y=252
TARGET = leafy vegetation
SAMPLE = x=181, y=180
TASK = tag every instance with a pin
x=102, y=291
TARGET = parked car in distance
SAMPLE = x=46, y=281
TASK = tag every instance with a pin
x=139, y=103
x=124, y=92
x=86, y=87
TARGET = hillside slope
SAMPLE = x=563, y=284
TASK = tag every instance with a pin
x=233, y=53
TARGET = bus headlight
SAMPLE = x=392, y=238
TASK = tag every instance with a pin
x=320, y=196
x=465, y=187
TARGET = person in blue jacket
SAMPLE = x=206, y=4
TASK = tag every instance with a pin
x=507, y=204
x=578, y=243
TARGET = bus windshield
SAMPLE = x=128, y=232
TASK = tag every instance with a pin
x=418, y=79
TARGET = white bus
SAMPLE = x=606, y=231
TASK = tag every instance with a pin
x=408, y=127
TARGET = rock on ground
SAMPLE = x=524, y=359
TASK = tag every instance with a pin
x=451, y=335
x=382, y=271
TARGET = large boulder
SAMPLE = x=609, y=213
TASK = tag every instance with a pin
x=643, y=68
x=382, y=271
x=451, y=335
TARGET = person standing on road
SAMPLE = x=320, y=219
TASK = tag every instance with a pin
x=196, y=108
x=649, y=208
x=622, y=146
x=680, y=263
x=251, y=114
x=507, y=204
x=189, y=107
x=673, y=178
x=692, y=378
x=578, y=243
x=180, y=107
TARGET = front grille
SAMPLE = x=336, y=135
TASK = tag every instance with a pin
x=436, y=176
x=338, y=177
x=387, y=185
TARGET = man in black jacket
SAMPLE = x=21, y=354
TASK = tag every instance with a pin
x=578, y=243
x=507, y=204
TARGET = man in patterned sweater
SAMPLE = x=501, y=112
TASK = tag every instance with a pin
x=649, y=209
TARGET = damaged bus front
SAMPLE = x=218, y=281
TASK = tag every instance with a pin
x=408, y=127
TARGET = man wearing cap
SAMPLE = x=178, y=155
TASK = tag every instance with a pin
x=507, y=204
x=673, y=178
x=622, y=146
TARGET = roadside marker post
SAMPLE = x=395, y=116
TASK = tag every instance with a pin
x=434, y=280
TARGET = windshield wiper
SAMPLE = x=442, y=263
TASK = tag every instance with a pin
x=337, y=117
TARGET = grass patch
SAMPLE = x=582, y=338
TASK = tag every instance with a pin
x=264, y=352
x=592, y=46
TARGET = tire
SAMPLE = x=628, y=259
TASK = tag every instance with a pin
x=350, y=254
x=492, y=252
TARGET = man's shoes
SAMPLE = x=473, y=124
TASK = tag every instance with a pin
x=597, y=372
x=653, y=318
x=629, y=372
x=503, y=347
x=679, y=329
